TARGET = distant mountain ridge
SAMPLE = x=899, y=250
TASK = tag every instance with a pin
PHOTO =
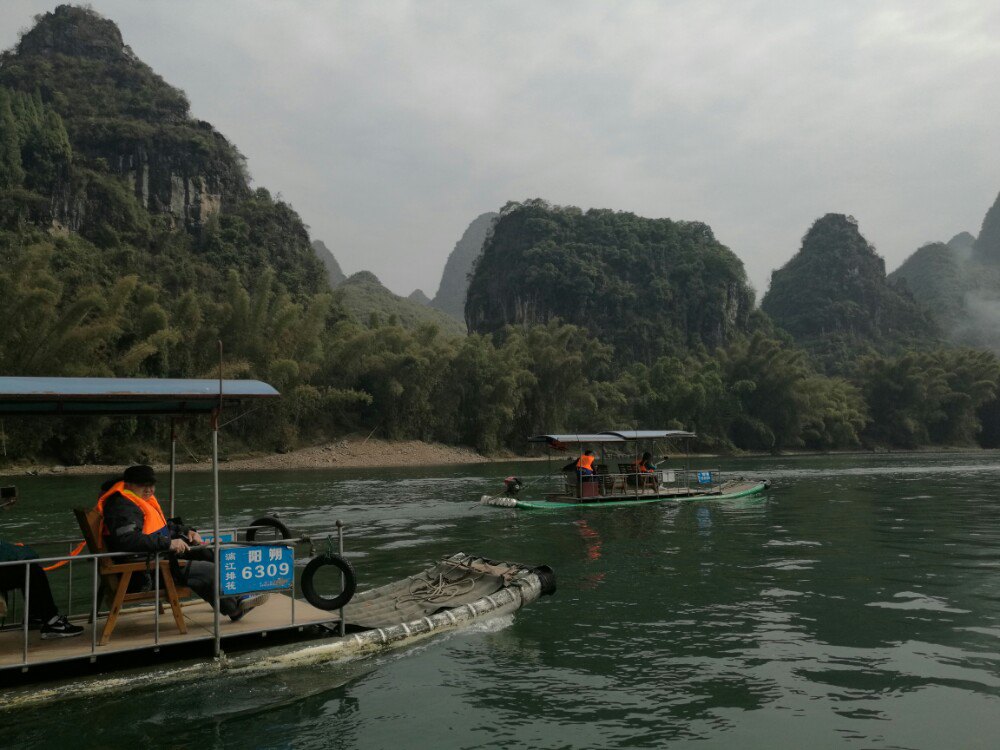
x=936, y=277
x=334, y=274
x=834, y=299
x=987, y=246
x=450, y=297
x=368, y=302
x=959, y=282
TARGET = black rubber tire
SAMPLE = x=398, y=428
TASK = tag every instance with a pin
x=314, y=597
x=547, y=578
x=271, y=521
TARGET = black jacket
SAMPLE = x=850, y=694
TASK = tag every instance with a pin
x=123, y=520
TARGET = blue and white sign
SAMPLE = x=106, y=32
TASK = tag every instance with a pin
x=264, y=568
x=704, y=477
x=226, y=537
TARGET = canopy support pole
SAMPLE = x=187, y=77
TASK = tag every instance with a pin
x=173, y=463
x=217, y=590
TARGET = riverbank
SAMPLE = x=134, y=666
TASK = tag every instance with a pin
x=372, y=453
x=347, y=453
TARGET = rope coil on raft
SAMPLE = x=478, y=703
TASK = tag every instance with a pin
x=440, y=590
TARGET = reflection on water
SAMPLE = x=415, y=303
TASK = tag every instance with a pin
x=855, y=605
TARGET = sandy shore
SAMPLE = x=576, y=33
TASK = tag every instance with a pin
x=360, y=453
x=349, y=453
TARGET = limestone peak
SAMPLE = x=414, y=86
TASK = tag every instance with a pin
x=77, y=32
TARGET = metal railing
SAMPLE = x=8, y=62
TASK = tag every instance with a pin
x=638, y=484
x=153, y=567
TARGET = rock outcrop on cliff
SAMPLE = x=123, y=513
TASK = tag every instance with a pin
x=649, y=287
x=450, y=297
x=833, y=297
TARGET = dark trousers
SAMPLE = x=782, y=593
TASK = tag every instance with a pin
x=41, y=605
x=199, y=576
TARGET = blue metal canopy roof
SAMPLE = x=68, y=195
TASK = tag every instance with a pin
x=123, y=396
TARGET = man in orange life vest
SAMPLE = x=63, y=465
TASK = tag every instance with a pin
x=134, y=522
x=585, y=465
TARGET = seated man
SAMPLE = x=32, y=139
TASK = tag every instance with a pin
x=42, y=608
x=134, y=522
x=585, y=466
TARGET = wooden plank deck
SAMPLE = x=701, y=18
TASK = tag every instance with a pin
x=136, y=629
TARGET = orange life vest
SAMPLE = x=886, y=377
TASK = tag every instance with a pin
x=585, y=462
x=641, y=467
x=153, y=520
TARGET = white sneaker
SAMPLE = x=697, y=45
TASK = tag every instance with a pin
x=246, y=603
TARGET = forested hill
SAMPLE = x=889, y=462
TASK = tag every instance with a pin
x=130, y=241
x=334, y=275
x=107, y=149
x=959, y=283
x=936, y=277
x=647, y=287
x=450, y=297
x=834, y=299
x=364, y=298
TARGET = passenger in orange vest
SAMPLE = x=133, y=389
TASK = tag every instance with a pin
x=134, y=522
x=645, y=464
x=585, y=464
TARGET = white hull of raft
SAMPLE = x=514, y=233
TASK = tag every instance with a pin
x=728, y=491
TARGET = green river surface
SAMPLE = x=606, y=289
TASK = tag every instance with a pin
x=855, y=605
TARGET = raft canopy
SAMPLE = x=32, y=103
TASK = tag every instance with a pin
x=31, y=396
x=611, y=436
x=650, y=434
x=603, y=437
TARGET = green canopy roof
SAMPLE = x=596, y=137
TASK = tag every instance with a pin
x=123, y=396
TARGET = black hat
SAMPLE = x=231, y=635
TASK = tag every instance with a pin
x=139, y=475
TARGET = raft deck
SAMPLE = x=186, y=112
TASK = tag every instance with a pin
x=136, y=631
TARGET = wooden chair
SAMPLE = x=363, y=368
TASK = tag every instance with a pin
x=627, y=472
x=636, y=479
x=115, y=577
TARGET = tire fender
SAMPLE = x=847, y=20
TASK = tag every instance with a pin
x=314, y=597
x=271, y=522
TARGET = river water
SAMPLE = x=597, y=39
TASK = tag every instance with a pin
x=855, y=605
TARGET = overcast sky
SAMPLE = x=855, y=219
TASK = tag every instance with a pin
x=390, y=126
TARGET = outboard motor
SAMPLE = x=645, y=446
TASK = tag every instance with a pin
x=512, y=485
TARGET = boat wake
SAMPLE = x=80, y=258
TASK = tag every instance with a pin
x=254, y=664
